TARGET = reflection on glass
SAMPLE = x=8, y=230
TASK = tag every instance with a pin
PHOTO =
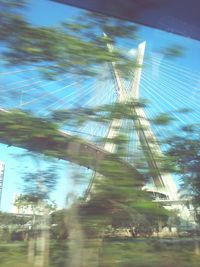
x=99, y=161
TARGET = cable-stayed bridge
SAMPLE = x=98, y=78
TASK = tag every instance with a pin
x=152, y=76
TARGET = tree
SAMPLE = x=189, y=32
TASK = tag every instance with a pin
x=78, y=46
x=41, y=183
x=11, y=224
x=184, y=150
x=75, y=46
x=59, y=228
x=115, y=199
x=118, y=190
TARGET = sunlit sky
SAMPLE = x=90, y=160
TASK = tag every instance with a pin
x=184, y=69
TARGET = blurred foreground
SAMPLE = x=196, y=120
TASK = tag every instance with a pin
x=59, y=240
x=121, y=253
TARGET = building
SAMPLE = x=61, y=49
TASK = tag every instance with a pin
x=2, y=169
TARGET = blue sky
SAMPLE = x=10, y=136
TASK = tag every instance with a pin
x=49, y=13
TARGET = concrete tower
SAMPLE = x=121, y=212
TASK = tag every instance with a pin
x=2, y=169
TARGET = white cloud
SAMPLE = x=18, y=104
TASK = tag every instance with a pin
x=132, y=53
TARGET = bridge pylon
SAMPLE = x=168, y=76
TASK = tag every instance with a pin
x=163, y=183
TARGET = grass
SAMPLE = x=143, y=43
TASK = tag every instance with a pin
x=13, y=254
x=149, y=253
x=113, y=253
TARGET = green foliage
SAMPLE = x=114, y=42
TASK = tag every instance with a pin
x=148, y=253
x=10, y=19
x=59, y=228
x=22, y=129
x=118, y=202
x=39, y=135
x=162, y=119
x=9, y=218
x=40, y=184
x=174, y=51
x=14, y=254
x=118, y=192
x=184, y=150
x=9, y=224
x=113, y=253
x=101, y=114
x=58, y=253
x=76, y=46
